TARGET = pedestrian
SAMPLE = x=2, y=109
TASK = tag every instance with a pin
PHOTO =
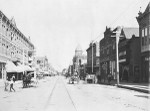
x=13, y=77
x=11, y=84
x=6, y=84
x=109, y=78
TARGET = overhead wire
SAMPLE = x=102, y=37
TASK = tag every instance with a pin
x=133, y=4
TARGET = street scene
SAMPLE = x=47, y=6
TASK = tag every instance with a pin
x=74, y=55
x=56, y=94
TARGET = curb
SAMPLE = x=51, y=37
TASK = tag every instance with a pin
x=134, y=88
x=128, y=87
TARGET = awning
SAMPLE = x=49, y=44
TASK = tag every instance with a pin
x=24, y=68
x=11, y=67
x=27, y=68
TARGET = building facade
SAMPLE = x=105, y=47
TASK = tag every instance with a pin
x=93, y=58
x=107, y=55
x=129, y=54
x=144, y=32
x=41, y=64
x=14, y=45
x=79, y=61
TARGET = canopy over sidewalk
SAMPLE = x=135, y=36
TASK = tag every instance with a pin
x=11, y=67
x=24, y=68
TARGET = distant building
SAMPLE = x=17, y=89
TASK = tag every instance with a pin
x=93, y=58
x=144, y=32
x=79, y=60
x=14, y=45
x=41, y=64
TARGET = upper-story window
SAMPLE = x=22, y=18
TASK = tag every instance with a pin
x=107, y=50
x=145, y=31
x=142, y=37
x=113, y=46
x=149, y=34
x=142, y=32
x=149, y=31
x=145, y=36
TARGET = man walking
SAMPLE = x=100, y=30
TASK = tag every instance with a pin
x=11, y=84
x=6, y=84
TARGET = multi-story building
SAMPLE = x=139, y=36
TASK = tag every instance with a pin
x=41, y=64
x=144, y=33
x=14, y=45
x=107, y=55
x=93, y=58
x=129, y=54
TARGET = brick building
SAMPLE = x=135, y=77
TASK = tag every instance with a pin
x=107, y=55
x=129, y=54
x=144, y=33
x=93, y=49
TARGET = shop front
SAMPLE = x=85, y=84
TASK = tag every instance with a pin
x=2, y=68
x=145, y=60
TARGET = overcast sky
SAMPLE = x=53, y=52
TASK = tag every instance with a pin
x=56, y=27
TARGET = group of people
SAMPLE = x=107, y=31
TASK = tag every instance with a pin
x=10, y=82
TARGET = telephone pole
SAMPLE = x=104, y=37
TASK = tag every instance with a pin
x=92, y=57
x=117, y=58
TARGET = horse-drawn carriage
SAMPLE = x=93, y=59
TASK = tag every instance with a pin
x=74, y=78
x=28, y=79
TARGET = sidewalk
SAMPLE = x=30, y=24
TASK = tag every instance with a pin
x=142, y=87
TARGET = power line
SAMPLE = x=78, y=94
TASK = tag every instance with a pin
x=121, y=14
x=125, y=11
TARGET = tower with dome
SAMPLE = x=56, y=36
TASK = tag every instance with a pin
x=79, y=60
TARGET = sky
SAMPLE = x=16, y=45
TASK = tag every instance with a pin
x=56, y=27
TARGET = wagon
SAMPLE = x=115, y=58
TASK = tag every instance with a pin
x=27, y=79
x=74, y=79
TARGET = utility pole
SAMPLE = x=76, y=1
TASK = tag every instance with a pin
x=92, y=56
x=23, y=61
x=117, y=58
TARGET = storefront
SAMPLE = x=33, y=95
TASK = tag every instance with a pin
x=145, y=60
x=2, y=68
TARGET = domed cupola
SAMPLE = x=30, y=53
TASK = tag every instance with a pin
x=78, y=51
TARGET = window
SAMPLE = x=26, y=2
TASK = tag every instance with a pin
x=113, y=46
x=142, y=32
x=149, y=30
x=142, y=37
x=108, y=50
x=146, y=31
x=149, y=34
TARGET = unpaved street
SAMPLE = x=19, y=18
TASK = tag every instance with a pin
x=55, y=94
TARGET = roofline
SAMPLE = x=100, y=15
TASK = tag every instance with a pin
x=16, y=28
